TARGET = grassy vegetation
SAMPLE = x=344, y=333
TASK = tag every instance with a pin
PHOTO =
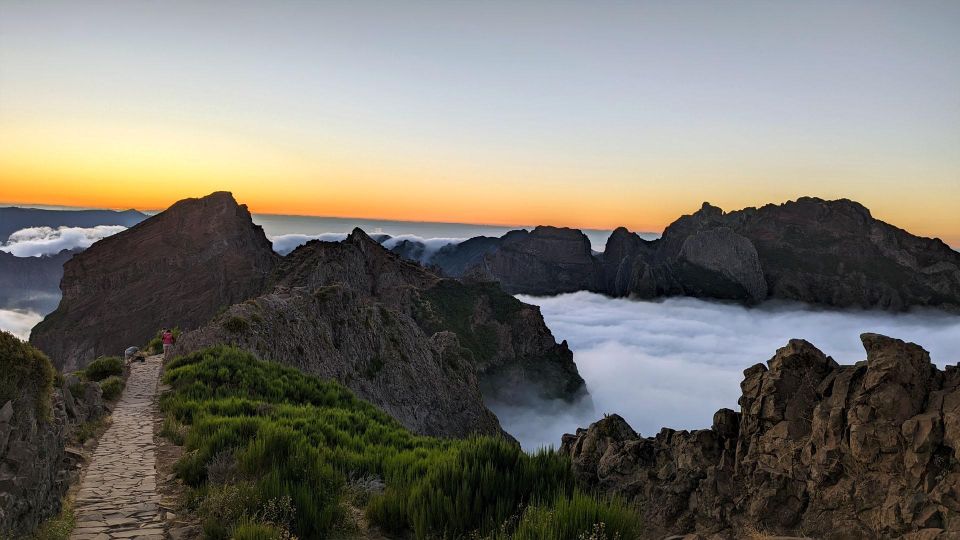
x=104, y=367
x=236, y=325
x=112, y=387
x=25, y=369
x=59, y=526
x=450, y=305
x=272, y=452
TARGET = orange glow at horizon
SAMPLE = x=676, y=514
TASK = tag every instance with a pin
x=107, y=167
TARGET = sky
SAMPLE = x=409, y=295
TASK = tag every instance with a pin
x=593, y=114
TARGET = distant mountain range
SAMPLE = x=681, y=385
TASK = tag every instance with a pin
x=831, y=253
x=14, y=218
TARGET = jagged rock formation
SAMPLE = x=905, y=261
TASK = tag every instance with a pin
x=831, y=253
x=176, y=268
x=35, y=423
x=544, y=261
x=357, y=313
x=31, y=283
x=817, y=449
x=14, y=218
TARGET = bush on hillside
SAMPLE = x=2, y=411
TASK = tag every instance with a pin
x=262, y=437
x=25, y=370
x=103, y=367
x=112, y=387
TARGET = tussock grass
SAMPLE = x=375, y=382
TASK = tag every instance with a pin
x=271, y=451
x=103, y=367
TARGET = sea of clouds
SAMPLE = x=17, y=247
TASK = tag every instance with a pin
x=18, y=322
x=675, y=362
x=38, y=241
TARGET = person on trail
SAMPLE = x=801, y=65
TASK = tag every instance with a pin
x=168, y=340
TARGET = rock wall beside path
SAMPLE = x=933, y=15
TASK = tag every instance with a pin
x=818, y=449
x=36, y=467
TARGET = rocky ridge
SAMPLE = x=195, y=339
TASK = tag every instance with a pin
x=832, y=253
x=351, y=310
x=354, y=312
x=818, y=449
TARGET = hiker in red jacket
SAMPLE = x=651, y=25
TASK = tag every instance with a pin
x=168, y=340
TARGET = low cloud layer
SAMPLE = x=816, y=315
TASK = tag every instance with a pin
x=285, y=243
x=675, y=362
x=38, y=241
x=429, y=245
x=18, y=322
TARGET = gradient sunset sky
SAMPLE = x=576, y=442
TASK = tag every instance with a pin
x=592, y=114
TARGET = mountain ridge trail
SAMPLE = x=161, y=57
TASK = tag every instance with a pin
x=118, y=497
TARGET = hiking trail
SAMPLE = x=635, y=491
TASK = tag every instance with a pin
x=118, y=497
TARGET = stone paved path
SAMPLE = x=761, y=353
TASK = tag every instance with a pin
x=118, y=497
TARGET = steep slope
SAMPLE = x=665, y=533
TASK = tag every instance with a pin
x=176, y=268
x=817, y=449
x=416, y=345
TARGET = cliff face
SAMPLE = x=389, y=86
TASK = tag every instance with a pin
x=175, y=269
x=547, y=260
x=427, y=350
x=831, y=253
x=36, y=420
x=817, y=449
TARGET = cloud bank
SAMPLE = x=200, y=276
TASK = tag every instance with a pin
x=285, y=243
x=423, y=249
x=18, y=323
x=675, y=362
x=38, y=241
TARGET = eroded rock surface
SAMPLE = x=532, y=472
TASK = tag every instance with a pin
x=36, y=425
x=817, y=449
x=177, y=268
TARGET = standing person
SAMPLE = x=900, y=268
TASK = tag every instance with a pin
x=168, y=340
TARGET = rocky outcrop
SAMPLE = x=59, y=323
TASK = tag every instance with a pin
x=832, y=253
x=177, y=268
x=425, y=349
x=36, y=420
x=817, y=449
x=544, y=261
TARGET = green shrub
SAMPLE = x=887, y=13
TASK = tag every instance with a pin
x=103, y=367
x=300, y=443
x=25, y=370
x=154, y=346
x=580, y=516
x=112, y=388
x=236, y=325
